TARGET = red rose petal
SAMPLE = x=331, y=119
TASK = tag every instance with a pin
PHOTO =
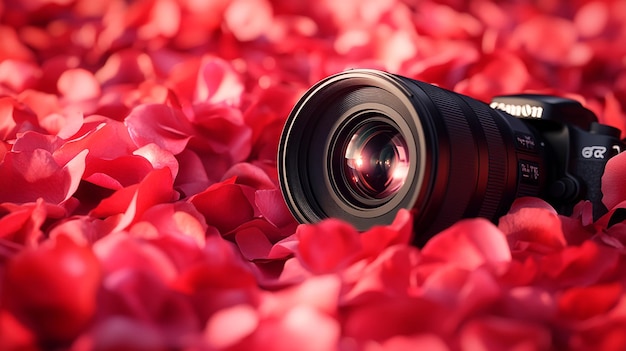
x=580, y=303
x=496, y=333
x=192, y=177
x=121, y=333
x=126, y=66
x=547, y=38
x=404, y=315
x=430, y=342
x=117, y=173
x=78, y=84
x=97, y=135
x=131, y=202
x=248, y=19
x=592, y=18
x=539, y=226
x=582, y=265
x=378, y=238
x=217, y=82
x=614, y=181
x=470, y=244
x=18, y=75
x=230, y=325
x=391, y=273
x=497, y=74
x=158, y=157
x=179, y=219
x=250, y=175
x=67, y=277
x=12, y=46
x=328, y=245
x=63, y=125
x=294, y=328
x=613, y=113
x=36, y=175
x=14, y=335
x=120, y=252
x=164, y=126
x=221, y=130
x=273, y=207
x=253, y=243
x=224, y=205
x=23, y=225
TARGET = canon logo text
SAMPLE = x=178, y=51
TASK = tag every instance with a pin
x=526, y=110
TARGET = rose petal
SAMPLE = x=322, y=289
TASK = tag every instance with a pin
x=248, y=19
x=78, y=84
x=470, y=244
x=158, y=157
x=131, y=202
x=614, y=181
x=230, y=325
x=36, y=175
x=224, y=205
x=217, y=82
x=117, y=173
x=253, y=243
x=14, y=335
x=273, y=207
x=23, y=225
x=327, y=246
x=159, y=124
x=539, y=226
x=580, y=303
x=430, y=342
x=67, y=276
x=547, y=38
x=378, y=238
x=496, y=333
x=294, y=328
x=579, y=265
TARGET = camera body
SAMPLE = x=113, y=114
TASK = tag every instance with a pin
x=575, y=145
x=362, y=144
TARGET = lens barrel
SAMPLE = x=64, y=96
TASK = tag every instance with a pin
x=363, y=144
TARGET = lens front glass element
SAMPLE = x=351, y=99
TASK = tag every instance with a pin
x=376, y=161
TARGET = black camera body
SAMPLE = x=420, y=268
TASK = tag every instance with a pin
x=577, y=147
x=363, y=144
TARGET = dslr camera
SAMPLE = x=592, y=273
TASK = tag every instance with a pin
x=362, y=144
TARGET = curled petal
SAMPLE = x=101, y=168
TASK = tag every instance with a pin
x=131, y=202
x=159, y=124
x=224, y=205
x=273, y=207
x=540, y=226
x=327, y=246
x=470, y=244
x=36, y=174
x=613, y=184
x=217, y=82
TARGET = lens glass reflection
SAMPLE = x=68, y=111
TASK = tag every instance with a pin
x=376, y=161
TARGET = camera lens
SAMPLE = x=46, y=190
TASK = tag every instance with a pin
x=376, y=161
x=363, y=144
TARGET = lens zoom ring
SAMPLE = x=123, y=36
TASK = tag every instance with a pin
x=497, y=150
x=458, y=111
x=464, y=165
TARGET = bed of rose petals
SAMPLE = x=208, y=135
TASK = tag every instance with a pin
x=139, y=207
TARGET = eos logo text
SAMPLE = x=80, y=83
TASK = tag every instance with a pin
x=593, y=152
x=526, y=110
